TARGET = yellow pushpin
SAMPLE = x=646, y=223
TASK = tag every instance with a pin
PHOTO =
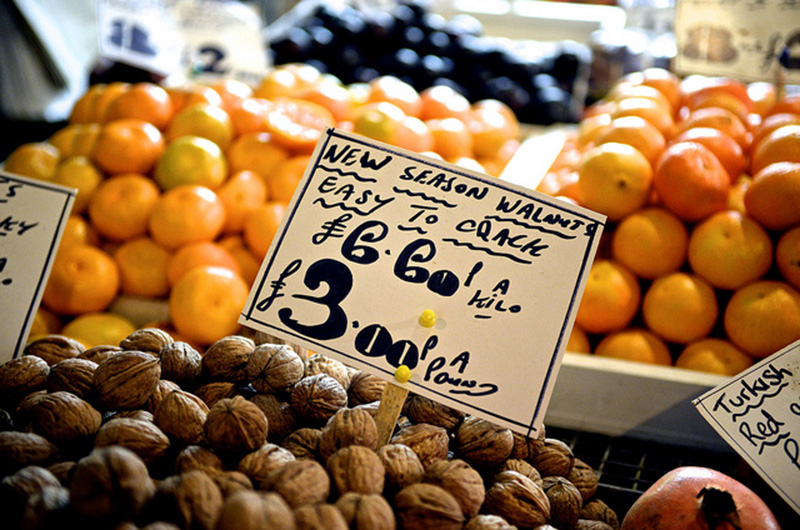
x=427, y=318
x=402, y=374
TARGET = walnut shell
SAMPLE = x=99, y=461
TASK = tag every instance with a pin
x=229, y=482
x=24, y=413
x=273, y=368
x=431, y=443
x=401, y=465
x=322, y=364
x=198, y=457
x=299, y=482
x=461, y=480
x=235, y=427
x=48, y=508
x=488, y=522
x=98, y=354
x=366, y=511
x=66, y=420
x=428, y=507
x=181, y=363
x=565, y=501
x=261, y=337
x=598, y=510
x=227, y=358
x=420, y=409
x=213, y=392
x=318, y=397
x=73, y=375
x=54, y=348
x=164, y=387
x=518, y=500
x=263, y=461
x=303, y=443
x=142, y=437
x=147, y=340
x=62, y=470
x=319, y=517
x=554, y=458
x=481, y=442
x=348, y=427
x=520, y=466
x=588, y=524
x=188, y=500
x=525, y=447
x=21, y=449
x=255, y=510
x=182, y=415
x=364, y=388
x=22, y=376
x=127, y=379
x=134, y=414
x=356, y=468
x=280, y=416
x=584, y=478
x=16, y=489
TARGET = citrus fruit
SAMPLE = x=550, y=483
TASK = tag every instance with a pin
x=127, y=146
x=717, y=118
x=396, y=91
x=737, y=193
x=491, y=127
x=78, y=172
x=772, y=122
x=44, y=322
x=680, y=307
x=75, y=139
x=773, y=196
x=250, y=116
x=726, y=149
x=578, y=341
x=200, y=253
x=653, y=111
x=635, y=344
x=241, y=193
x=77, y=230
x=231, y=91
x=442, y=101
x=452, y=138
x=142, y=265
x=413, y=134
x=256, y=151
x=282, y=183
x=185, y=95
x=191, y=160
x=333, y=96
x=651, y=242
x=98, y=329
x=83, y=279
x=237, y=248
x=203, y=120
x=297, y=124
x=120, y=207
x=636, y=132
x=787, y=256
x=186, y=214
x=788, y=103
x=378, y=120
x=260, y=227
x=37, y=160
x=143, y=101
x=713, y=355
x=781, y=145
x=610, y=299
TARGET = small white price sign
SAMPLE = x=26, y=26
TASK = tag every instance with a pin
x=32, y=218
x=386, y=258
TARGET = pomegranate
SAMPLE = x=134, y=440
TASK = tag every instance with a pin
x=699, y=498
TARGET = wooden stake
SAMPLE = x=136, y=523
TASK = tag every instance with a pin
x=388, y=411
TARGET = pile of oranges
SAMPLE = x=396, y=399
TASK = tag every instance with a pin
x=699, y=266
x=181, y=189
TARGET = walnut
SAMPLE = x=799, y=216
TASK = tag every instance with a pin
x=554, y=458
x=518, y=500
x=520, y=466
x=110, y=483
x=66, y=420
x=565, y=501
x=299, y=482
x=73, y=375
x=142, y=437
x=54, y=348
x=280, y=416
x=22, y=376
x=235, y=427
x=24, y=412
x=488, y=522
x=362, y=511
x=98, y=354
x=127, y=379
x=481, y=442
x=164, y=387
x=428, y=507
x=273, y=368
x=420, y=409
x=261, y=337
x=213, y=392
x=463, y=482
x=62, y=470
x=182, y=415
x=356, y=468
x=20, y=449
x=431, y=443
x=319, y=517
x=47, y=508
x=318, y=397
x=190, y=500
x=181, y=363
x=229, y=482
x=147, y=340
x=227, y=358
x=588, y=524
x=371, y=407
x=584, y=478
x=322, y=364
x=525, y=447
x=401, y=464
x=134, y=414
x=303, y=443
x=198, y=457
x=348, y=427
x=16, y=489
x=255, y=510
x=597, y=510
x=364, y=388
x=263, y=461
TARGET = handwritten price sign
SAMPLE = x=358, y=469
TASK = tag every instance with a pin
x=377, y=237
x=32, y=216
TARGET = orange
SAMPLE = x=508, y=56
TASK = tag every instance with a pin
x=396, y=91
x=690, y=181
x=787, y=256
x=78, y=172
x=297, y=124
x=665, y=82
x=75, y=139
x=250, y=116
x=773, y=197
x=610, y=299
x=627, y=90
x=635, y=344
x=442, y=101
x=726, y=149
x=276, y=83
x=232, y=92
x=763, y=95
x=333, y=96
x=763, y=317
x=191, y=160
x=248, y=265
x=240, y=194
x=698, y=85
x=186, y=214
x=452, y=138
x=144, y=101
x=711, y=97
x=413, y=134
x=83, y=109
x=127, y=146
x=495, y=164
x=105, y=97
x=257, y=152
x=578, y=341
x=120, y=207
x=44, y=322
x=205, y=304
x=651, y=242
x=142, y=265
x=198, y=254
x=590, y=128
x=77, y=230
x=378, y=120
x=772, y=122
x=781, y=145
x=491, y=128
x=636, y=132
x=649, y=109
x=82, y=279
x=204, y=120
x=614, y=179
x=99, y=329
x=283, y=181
x=713, y=355
x=260, y=227
x=729, y=249
x=191, y=94
x=788, y=103
x=35, y=160
x=680, y=307
x=737, y=193
x=717, y=118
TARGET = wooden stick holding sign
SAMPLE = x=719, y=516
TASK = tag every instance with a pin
x=392, y=400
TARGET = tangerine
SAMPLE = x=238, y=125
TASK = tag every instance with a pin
x=203, y=120
x=297, y=124
x=98, y=329
x=78, y=172
x=726, y=149
x=714, y=355
x=83, y=279
x=127, y=146
x=261, y=225
x=773, y=196
x=635, y=344
x=241, y=193
x=186, y=214
x=781, y=145
x=610, y=299
x=680, y=307
x=636, y=132
x=120, y=207
x=142, y=265
x=787, y=256
x=257, y=152
x=199, y=253
x=142, y=101
x=651, y=242
x=37, y=160
x=191, y=160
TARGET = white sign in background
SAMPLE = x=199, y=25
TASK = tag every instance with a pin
x=758, y=414
x=32, y=218
x=375, y=236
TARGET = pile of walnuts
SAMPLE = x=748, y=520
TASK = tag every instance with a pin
x=255, y=433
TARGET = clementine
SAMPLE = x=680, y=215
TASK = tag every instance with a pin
x=37, y=160
x=120, y=207
x=610, y=299
x=241, y=193
x=191, y=160
x=186, y=214
x=651, y=242
x=261, y=225
x=787, y=256
x=635, y=344
x=773, y=196
x=127, y=146
x=680, y=307
x=142, y=265
x=82, y=279
x=714, y=355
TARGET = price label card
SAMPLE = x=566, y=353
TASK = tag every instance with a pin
x=386, y=258
x=745, y=39
x=32, y=217
x=758, y=414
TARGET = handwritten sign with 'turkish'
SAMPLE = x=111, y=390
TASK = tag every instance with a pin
x=376, y=238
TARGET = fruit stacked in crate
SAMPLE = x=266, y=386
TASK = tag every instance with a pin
x=181, y=189
x=700, y=180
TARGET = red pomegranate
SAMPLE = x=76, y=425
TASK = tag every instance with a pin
x=699, y=498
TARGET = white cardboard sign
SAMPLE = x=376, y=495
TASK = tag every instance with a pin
x=375, y=236
x=758, y=414
x=32, y=217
